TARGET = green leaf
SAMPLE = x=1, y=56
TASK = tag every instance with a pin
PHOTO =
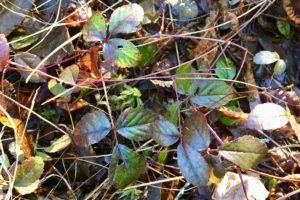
x=279, y=67
x=16, y=151
x=172, y=112
x=24, y=42
x=216, y=165
x=121, y=52
x=132, y=167
x=265, y=57
x=92, y=128
x=58, y=144
x=134, y=123
x=28, y=174
x=284, y=27
x=185, y=86
x=192, y=166
x=126, y=19
x=147, y=53
x=95, y=28
x=246, y=151
x=28, y=61
x=225, y=68
x=4, y=161
x=213, y=94
x=56, y=88
x=70, y=74
x=195, y=132
x=164, y=132
x=163, y=156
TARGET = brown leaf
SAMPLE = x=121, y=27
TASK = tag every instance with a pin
x=79, y=14
x=295, y=126
x=21, y=137
x=90, y=62
x=73, y=106
x=4, y=52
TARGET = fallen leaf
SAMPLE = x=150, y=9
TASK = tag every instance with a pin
x=58, y=144
x=22, y=138
x=265, y=57
x=90, y=61
x=28, y=174
x=246, y=151
x=231, y=188
x=267, y=116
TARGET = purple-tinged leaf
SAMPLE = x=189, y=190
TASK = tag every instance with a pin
x=134, y=123
x=126, y=19
x=164, y=132
x=92, y=128
x=192, y=166
x=4, y=51
x=28, y=61
x=195, y=132
x=95, y=28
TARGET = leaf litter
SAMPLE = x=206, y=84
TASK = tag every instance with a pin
x=150, y=100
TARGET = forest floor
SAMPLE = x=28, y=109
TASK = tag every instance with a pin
x=150, y=99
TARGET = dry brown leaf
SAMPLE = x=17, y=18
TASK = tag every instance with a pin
x=204, y=46
x=288, y=6
x=22, y=139
x=73, y=106
x=90, y=62
x=78, y=18
x=295, y=126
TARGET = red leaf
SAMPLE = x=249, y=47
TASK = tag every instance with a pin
x=4, y=51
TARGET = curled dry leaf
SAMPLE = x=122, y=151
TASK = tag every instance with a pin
x=4, y=51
